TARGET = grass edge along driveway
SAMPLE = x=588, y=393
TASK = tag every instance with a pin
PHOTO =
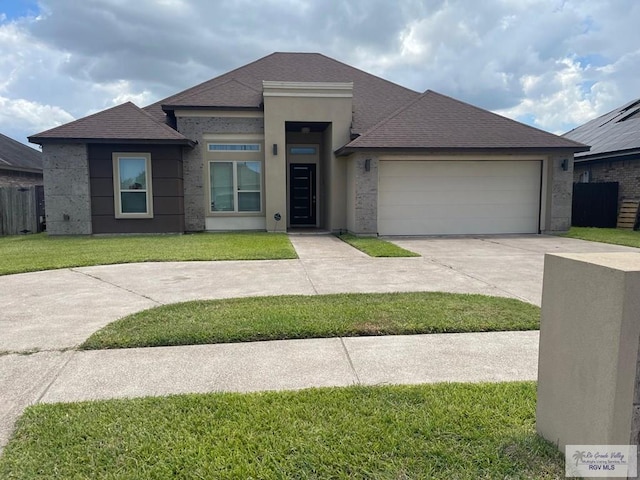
x=615, y=236
x=314, y=316
x=438, y=431
x=30, y=253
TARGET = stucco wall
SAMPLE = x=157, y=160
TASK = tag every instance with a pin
x=193, y=166
x=588, y=390
x=66, y=189
x=625, y=172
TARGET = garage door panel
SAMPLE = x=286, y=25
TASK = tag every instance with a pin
x=482, y=210
x=458, y=197
x=445, y=197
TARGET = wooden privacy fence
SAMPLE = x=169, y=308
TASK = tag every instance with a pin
x=21, y=210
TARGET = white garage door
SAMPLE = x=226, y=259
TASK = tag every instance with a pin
x=458, y=197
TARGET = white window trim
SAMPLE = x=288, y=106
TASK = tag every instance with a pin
x=236, y=212
x=116, y=156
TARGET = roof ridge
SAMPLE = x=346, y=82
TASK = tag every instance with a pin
x=213, y=87
x=83, y=118
x=161, y=124
x=393, y=115
x=189, y=91
x=505, y=118
x=365, y=72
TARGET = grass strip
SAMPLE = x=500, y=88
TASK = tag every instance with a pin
x=29, y=253
x=375, y=247
x=316, y=316
x=629, y=238
x=442, y=431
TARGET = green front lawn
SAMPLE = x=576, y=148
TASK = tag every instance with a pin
x=316, y=316
x=442, y=431
x=375, y=247
x=616, y=236
x=28, y=253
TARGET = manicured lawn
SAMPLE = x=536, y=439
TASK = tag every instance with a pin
x=375, y=247
x=28, y=253
x=629, y=238
x=443, y=431
x=285, y=317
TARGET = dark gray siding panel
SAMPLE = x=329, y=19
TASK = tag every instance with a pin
x=167, y=188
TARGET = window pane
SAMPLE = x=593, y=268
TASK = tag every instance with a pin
x=133, y=202
x=302, y=150
x=248, y=201
x=133, y=173
x=229, y=147
x=221, y=186
x=248, y=175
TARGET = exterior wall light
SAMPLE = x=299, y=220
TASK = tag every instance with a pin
x=275, y=149
x=565, y=164
x=367, y=164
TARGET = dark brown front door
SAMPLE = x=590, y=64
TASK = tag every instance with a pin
x=302, y=194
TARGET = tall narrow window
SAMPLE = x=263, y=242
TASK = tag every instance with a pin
x=132, y=185
x=236, y=186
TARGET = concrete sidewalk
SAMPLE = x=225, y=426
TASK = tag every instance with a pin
x=71, y=376
x=54, y=311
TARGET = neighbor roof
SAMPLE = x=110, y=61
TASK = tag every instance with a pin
x=17, y=156
x=615, y=132
x=437, y=122
x=124, y=123
x=373, y=97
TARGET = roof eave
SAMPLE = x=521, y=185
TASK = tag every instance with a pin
x=21, y=169
x=347, y=150
x=172, y=108
x=611, y=155
x=144, y=141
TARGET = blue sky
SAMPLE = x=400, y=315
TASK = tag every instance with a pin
x=553, y=64
x=14, y=9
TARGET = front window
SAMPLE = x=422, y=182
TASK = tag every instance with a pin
x=132, y=185
x=236, y=186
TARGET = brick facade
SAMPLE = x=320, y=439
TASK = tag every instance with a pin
x=625, y=171
x=194, y=128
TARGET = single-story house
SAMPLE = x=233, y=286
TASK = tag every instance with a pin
x=20, y=165
x=615, y=150
x=302, y=141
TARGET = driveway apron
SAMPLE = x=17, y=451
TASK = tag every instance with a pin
x=45, y=315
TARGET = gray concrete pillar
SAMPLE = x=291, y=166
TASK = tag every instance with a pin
x=588, y=382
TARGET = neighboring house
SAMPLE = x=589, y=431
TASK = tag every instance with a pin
x=302, y=141
x=20, y=165
x=615, y=150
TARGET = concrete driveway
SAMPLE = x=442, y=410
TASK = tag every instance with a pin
x=53, y=312
x=59, y=309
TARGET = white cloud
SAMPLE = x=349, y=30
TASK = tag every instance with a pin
x=551, y=63
x=30, y=116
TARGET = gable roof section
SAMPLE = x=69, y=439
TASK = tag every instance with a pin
x=124, y=123
x=230, y=94
x=373, y=97
x=436, y=122
x=17, y=156
x=614, y=133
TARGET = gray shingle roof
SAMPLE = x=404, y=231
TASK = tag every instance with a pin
x=373, y=97
x=17, y=156
x=435, y=121
x=615, y=132
x=125, y=122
